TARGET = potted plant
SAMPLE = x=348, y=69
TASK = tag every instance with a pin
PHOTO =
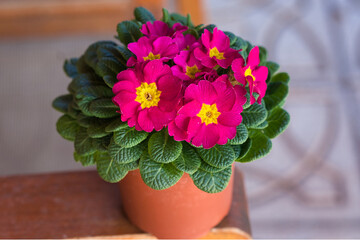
x=166, y=111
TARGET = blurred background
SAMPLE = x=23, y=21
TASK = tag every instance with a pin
x=307, y=187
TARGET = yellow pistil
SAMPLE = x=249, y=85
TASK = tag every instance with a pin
x=147, y=95
x=151, y=56
x=191, y=71
x=214, y=52
x=249, y=73
x=208, y=114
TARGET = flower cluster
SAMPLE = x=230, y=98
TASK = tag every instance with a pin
x=173, y=81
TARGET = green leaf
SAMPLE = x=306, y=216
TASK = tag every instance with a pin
x=245, y=147
x=218, y=156
x=128, y=32
x=108, y=169
x=232, y=37
x=62, y=102
x=254, y=115
x=109, y=66
x=96, y=128
x=72, y=111
x=272, y=67
x=67, y=127
x=86, y=160
x=143, y=15
x=166, y=16
x=70, y=67
x=129, y=137
x=208, y=168
x=156, y=175
x=278, y=121
x=179, y=18
x=163, y=148
x=275, y=94
x=91, y=57
x=247, y=104
x=116, y=125
x=101, y=144
x=83, y=143
x=260, y=147
x=130, y=166
x=110, y=80
x=239, y=44
x=262, y=125
x=281, y=77
x=85, y=121
x=124, y=155
x=212, y=182
x=84, y=105
x=237, y=150
x=188, y=161
x=262, y=55
x=241, y=135
x=94, y=92
x=103, y=108
x=84, y=80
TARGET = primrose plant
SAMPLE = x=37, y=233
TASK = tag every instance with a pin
x=172, y=98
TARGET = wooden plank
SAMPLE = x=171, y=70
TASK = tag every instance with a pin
x=81, y=205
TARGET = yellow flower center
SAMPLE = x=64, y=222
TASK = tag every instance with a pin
x=151, y=56
x=191, y=71
x=208, y=114
x=214, y=52
x=147, y=95
x=249, y=73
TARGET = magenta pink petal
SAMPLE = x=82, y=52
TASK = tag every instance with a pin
x=191, y=109
x=225, y=134
x=230, y=119
x=144, y=121
x=207, y=92
x=154, y=69
x=253, y=58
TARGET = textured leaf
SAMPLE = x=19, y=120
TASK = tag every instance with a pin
x=84, y=105
x=108, y=169
x=212, y=182
x=163, y=148
x=143, y=15
x=82, y=66
x=62, y=102
x=86, y=160
x=91, y=55
x=260, y=147
x=116, y=125
x=254, y=115
x=128, y=31
x=208, y=168
x=166, y=16
x=156, y=175
x=218, y=156
x=124, y=155
x=188, y=161
x=130, y=166
x=273, y=68
x=84, y=80
x=85, y=121
x=95, y=92
x=237, y=150
x=83, y=143
x=275, y=94
x=262, y=125
x=101, y=144
x=110, y=80
x=129, y=137
x=97, y=128
x=278, y=121
x=179, y=18
x=70, y=67
x=239, y=44
x=241, y=135
x=245, y=147
x=103, y=108
x=72, y=111
x=232, y=37
x=67, y=127
x=262, y=55
x=109, y=66
x=281, y=77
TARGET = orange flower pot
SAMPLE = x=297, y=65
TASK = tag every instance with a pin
x=181, y=211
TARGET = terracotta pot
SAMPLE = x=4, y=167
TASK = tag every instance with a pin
x=182, y=211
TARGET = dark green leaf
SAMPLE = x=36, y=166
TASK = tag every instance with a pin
x=275, y=94
x=129, y=137
x=156, y=175
x=109, y=66
x=110, y=80
x=208, y=168
x=108, y=169
x=103, y=108
x=85, y=160
x=262, y=55
x=116, y=125
x=128, y=32
x=272, y=67
x=143, y=15
x=254, y=115
x=67, y=127
x=62, y=102
x=278, y=121
x=260, y=147
x=101, y=144
x=70, y=67
x=281, y=77
x=163, y=148
x=97, y=128
x=212, y=182
x=237, y=150
x=130, y=166
x=245, y=147
x=126, y=155
x=188, y=161
x=218, y=156
x=83, y=143
x=241, y=135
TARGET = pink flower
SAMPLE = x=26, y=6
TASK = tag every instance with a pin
x=159, y=28
x=186, y=42
x=252, y=73
x=148, y=95
x=163, y=48
x=187, y=66
x=216, y=49
x=210, y=114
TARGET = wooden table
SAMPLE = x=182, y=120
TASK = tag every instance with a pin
x=81, y=205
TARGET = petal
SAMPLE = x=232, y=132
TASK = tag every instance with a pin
x=155, y=69
x=230, y=119
x=220, y=40
x=205, y=38
x=226, y=133
x=207, y=92
x=191, y=108
x=169, y=86
x=165, y=46
x=260, y=73
x=144, y=121
x=203, y=57
x=253, y=58
x=178, y=133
